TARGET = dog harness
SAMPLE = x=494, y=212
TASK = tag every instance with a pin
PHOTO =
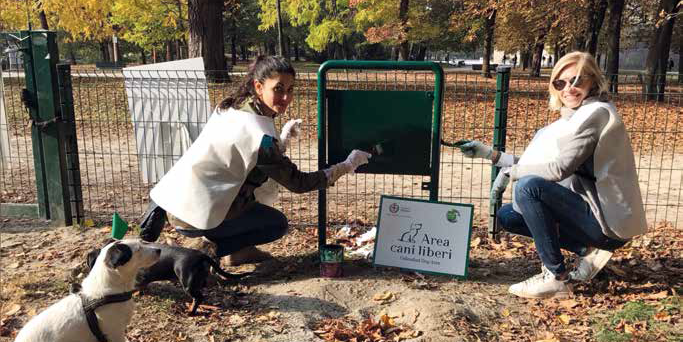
x=89, y=306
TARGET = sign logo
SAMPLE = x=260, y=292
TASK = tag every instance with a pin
x=452, y=215
x=409, y=235
x=393, y=208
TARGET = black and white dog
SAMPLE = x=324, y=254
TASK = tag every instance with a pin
x=189, y=267
x=105, y=293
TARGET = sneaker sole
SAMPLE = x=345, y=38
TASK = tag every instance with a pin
x=557, y=295
x=600, y=262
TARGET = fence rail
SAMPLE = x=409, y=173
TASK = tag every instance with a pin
x=121, y=153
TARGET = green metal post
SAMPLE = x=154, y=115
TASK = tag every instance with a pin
x=436, y=131
x=36, y=137
x=40, y=66
x=499, y=133
x=322, y=156
x=68, y=127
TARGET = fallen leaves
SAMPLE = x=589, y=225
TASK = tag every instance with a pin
x=565, y=319
x=385, y=297
x=12, y=309
x=346, y=329
x=658, y=295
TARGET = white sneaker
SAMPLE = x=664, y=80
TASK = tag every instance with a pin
x=590, y=264
x=543, y=285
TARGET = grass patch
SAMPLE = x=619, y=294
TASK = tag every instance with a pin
x=641, y=321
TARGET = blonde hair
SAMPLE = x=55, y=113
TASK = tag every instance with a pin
x=587, y=66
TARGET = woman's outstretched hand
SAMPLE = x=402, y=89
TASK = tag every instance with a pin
x=357, y=158
x=475, y=149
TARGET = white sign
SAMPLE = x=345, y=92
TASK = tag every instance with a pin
x=422, y=235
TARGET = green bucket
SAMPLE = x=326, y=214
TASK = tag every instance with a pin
x=331, y=261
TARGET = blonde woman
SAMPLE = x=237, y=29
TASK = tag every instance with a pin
x=576, y=186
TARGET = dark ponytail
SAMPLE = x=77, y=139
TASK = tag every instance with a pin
x=261, y=69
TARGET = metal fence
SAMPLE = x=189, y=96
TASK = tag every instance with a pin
x=121, y=152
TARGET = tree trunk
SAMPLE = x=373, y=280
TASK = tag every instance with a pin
x=280, y=38
x=233, y=48
x=680, y=59
x=421, y=53
x=104, y=50
x=43, y=20
x=535, y=69
x=616, y=8
x=206, y=34
x=526, y=57
x=296, y=52
x=72, y=54
x=345, y=51
x=154, y=55
x=178, y=49
x=489, y=24
x=658, y=53
x=143, y=56
x=595, y=18
x=169, y=53
x=404, y=48
x=182, y=43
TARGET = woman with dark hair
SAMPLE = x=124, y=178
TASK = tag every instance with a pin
x=576, y=186
x=216, y=190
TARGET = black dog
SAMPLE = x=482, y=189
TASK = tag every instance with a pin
x=190, y=267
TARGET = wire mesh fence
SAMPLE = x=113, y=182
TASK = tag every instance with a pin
x=132, y=128
x=17, y=179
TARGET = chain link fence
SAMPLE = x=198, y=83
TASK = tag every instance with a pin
x=123, y=151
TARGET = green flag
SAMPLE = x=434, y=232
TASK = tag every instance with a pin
x=119, y=227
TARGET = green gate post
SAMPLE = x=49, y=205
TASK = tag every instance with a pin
x=40, y=67
x=68, y=127
x=499, y=133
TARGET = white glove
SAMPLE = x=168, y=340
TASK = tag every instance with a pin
x=290, y=130
x=357, y=158
x=475, y=149
x=500, y=184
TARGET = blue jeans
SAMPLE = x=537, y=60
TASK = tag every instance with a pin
x=556, y=218
x=257, y=225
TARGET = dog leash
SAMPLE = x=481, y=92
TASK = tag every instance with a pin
x=89, y=306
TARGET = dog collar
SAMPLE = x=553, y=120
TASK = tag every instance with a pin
x=89, y=306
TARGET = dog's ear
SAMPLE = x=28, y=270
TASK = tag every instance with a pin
x=117, y=255
x=91, y=258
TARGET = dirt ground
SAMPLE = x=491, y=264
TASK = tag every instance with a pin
x=285, y=299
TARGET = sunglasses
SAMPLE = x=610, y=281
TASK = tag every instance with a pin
x=575, y=81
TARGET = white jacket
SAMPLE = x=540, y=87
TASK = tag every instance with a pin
x=614, y=194
x=200, y=188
